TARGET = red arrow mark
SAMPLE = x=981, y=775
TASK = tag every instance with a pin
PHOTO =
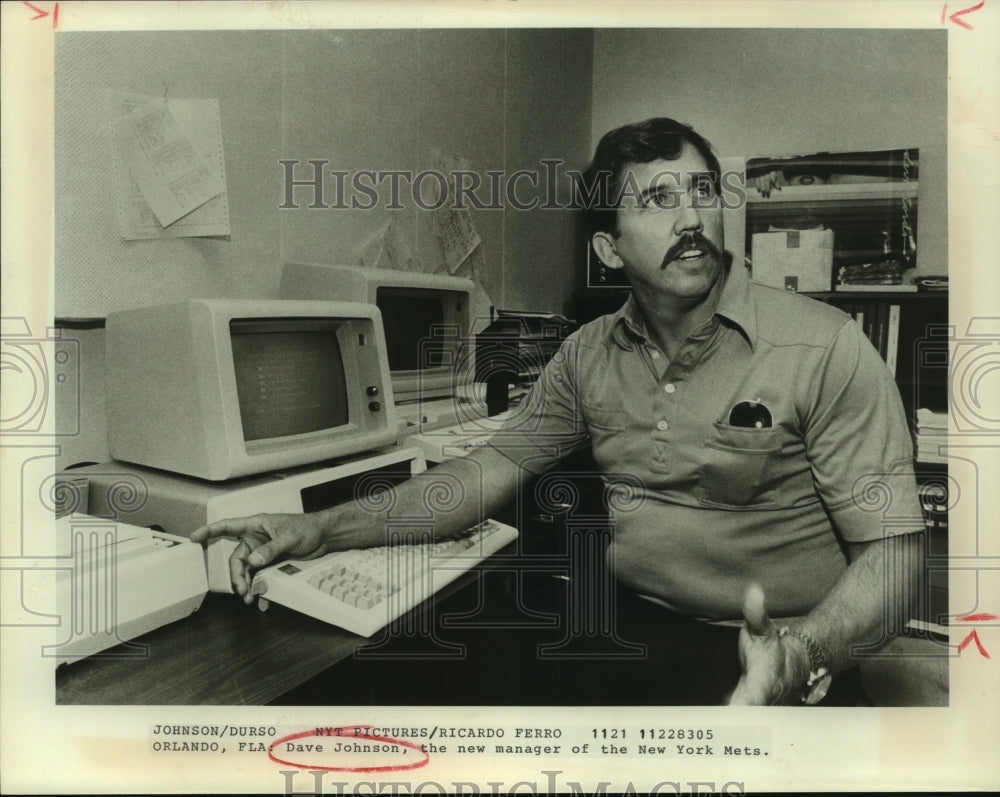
x=39, y=14
x=973, y=637
x=956, y=17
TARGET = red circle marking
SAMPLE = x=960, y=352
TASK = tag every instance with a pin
x=336, y=733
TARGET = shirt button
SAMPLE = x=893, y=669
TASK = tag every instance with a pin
x=654, y=354
x=662, y=425
x=669, y=387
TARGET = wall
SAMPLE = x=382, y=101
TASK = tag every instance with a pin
x=786, y=92
x=361, y=99
x=95, y=270
x=545, y=109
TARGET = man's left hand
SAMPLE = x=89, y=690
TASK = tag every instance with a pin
x=775, y=668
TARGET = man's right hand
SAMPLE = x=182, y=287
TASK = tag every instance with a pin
x=775, y=669
x=262, y=539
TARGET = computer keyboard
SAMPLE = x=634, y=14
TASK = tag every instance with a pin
x=364, y=590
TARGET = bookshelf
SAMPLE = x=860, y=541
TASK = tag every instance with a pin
x=865, y=204
x=862, y=217
x=838, y=192
x=909, y=330
x=866, y=201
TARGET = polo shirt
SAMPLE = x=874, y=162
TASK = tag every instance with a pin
x=701, y=507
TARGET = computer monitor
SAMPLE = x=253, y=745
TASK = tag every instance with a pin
x=218, y=389
x=427, y=319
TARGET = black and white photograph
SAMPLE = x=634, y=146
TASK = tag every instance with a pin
x=416, y=397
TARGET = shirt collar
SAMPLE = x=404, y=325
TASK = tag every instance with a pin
x=735, y=306
x=628, y=324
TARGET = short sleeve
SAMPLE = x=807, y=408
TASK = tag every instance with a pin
x=547, y=425
x=858, y=442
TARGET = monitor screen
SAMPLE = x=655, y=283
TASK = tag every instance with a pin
x=426, y=317
x=414, y=326
x=219, y=388
x=289, y=377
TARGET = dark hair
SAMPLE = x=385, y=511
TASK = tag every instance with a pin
x=641, y=142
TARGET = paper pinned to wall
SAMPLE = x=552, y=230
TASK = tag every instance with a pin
x=453, y=225
x=389, y=248
x=169, y=162
x=459, y=237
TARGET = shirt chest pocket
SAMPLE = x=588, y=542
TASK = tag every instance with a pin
x=607, y=427
x=738, y=467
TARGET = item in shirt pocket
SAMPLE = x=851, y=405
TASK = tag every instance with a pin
x=750, y=415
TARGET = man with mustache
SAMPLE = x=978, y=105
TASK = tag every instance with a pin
x=752, y=423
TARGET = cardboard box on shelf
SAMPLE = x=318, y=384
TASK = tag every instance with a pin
x=794, y=260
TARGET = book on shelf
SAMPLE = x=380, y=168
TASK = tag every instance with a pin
x=879, y=329
x=931, y=436
x=880, y=323
x=892, y=342
x=931, y=420
x=929, y=450
x=868, y=323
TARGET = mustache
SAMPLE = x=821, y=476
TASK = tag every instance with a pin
x=694, y=240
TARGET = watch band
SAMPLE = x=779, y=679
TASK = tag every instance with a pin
x=819, y=665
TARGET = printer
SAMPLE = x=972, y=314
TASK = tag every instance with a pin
x=113, y=582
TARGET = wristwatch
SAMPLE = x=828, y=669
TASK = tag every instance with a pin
x=819, y=666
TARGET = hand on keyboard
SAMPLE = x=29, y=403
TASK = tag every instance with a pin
x=364, y=590
x=264, y=538
x=360, y=590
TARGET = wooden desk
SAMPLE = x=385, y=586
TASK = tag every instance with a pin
x=226, y=653
x=231, y=654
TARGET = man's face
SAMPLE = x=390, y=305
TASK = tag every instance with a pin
x=670, y=238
